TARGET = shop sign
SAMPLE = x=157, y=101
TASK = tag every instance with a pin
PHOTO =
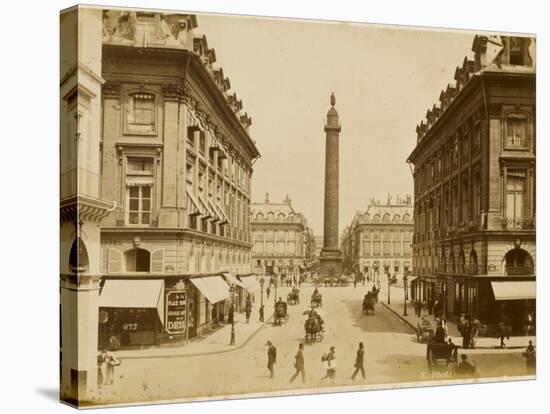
x=175, y=311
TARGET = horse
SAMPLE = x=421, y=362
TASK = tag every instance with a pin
x=312, y=327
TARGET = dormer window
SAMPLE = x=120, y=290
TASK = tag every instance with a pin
x=517, y=51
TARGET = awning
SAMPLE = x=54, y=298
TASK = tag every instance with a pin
x=216, y=214
x=226, y=219
x=139, y=180
x=212, y=287
x=205, y=209
x=131, y=293
x=232, y=279
x=514, y=290
x=195, y=202
x=251, y=283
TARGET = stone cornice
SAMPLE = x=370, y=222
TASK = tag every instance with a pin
x=84, y=208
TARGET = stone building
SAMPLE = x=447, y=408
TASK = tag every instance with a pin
x=282, y=240
x=378, y=240
x=474, y=188
x=176, y=163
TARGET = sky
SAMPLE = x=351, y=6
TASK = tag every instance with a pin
x=384, y=79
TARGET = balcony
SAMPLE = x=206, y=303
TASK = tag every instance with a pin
x=519, y=270
x=515, y=223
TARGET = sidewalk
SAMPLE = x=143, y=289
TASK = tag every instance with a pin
x=396, y=306
x=212, y=342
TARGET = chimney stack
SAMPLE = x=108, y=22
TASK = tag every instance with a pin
x=267, y=198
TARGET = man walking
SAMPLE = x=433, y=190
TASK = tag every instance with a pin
x=261, y=313
x=268, y=291
x=359, y=362
x=299, y=364
x=271, y=358
x=329, y=363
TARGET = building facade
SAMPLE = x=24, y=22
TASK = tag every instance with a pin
x=176, y=160
x=282, y=240
x=378, y=241
x=474, y=182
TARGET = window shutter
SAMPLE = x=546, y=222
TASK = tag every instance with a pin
x=157, y=260
x=115, y=261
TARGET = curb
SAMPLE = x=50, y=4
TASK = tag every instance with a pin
x=222, y=351
x=414, y=328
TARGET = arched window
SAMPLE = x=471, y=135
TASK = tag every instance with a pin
x=138, y=260
x=396, y=218
x=406, y=217
x=518, y=262
x=78, y=258
x=451, y=263
x=442, y=261
x=461, y=261
x=376, y=217
x=281, y=217
x=386, y=217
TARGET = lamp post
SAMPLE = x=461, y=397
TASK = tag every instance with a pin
x=232, y=293
x=405, y=292
x=262, y=281
x=389, y=282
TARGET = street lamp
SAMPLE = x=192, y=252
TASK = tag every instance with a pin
x=232, y=293
x=405, y=292
x=389, y=282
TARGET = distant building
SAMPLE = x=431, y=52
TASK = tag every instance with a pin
x=282, y=241
x=378, y=240
x=474, y=188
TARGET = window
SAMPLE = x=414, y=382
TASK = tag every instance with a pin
x=516, y=51
x=190, y=172
x=515, y=197
x=396, y=244
x=377, y=244
x=202, y=142
x=516, y=131
x=387, y=244
x=140, y=165
x=476, y=146
x=465, y=200
x=465, y=147
x=455, y=152
x=476, y=204
x=141, y=112
x=139, y=204
x=138, y=260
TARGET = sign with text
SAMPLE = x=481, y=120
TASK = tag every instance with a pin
x=175, y=311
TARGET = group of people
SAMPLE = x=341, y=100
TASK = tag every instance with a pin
x=328, y=360
x=469, y=329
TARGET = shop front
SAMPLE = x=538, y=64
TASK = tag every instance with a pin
x=131, y=312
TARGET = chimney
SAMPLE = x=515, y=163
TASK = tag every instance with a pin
x=288, y=200
x=267, y=198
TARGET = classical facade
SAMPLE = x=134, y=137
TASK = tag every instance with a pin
x=474, y=182
x=378, y=240
x=282, y=240
x=176, y=162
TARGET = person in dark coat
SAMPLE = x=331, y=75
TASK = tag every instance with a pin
x=299, y=364
x=530, y=358
x=359, y=362
x=271, y=358
x=268, y=291
x=261, y=313
x=440, y=333
x=248, y=309
x=466, y=332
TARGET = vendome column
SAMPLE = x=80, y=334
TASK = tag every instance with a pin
x=331, y=256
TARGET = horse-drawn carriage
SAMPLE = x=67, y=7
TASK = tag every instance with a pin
x=424, y=331
x=280, y=314
x=316, y=300
x=369, y=303
x=293, y=296
x=313, y=326
x=443, y=358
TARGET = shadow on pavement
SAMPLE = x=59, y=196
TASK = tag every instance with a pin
x=381, y=321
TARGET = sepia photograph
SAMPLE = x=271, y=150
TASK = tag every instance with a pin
x=264, y=206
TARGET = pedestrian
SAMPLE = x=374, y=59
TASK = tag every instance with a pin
x=268, y=291
x=354, y=281
x=454, y=350
x=465, y=367
x=502, y=333
x=474, y=331
x=329, y=363
x=440, y=333
x=111, y=362
x=359, y=361
x=101, y=368
x=261, y=313
x=248, y=309
x=466, y=332
x=299, y=364
x=271, y=358
x=530, y=358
